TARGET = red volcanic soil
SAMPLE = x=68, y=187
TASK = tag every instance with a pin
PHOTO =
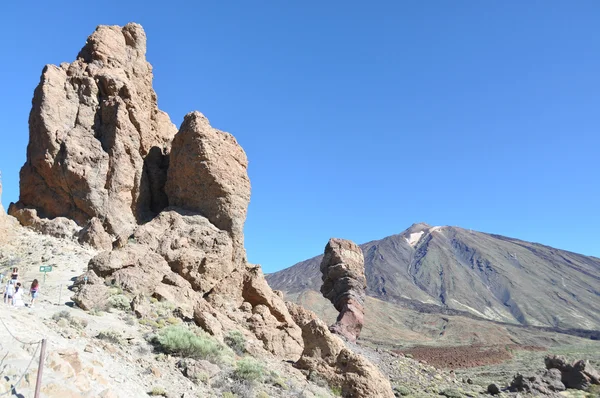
x=466, y=356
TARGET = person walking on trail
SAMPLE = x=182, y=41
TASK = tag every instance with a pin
x=34, y=290
x=9, y=292
x=15, y=274
x=17, y=300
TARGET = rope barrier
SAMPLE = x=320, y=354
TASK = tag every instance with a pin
x=37, y=344
x=16, y=338
x=14, y=386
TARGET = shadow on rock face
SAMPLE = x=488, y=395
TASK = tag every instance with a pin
x=153, y=198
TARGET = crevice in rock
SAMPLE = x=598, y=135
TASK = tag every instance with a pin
x=153, y=199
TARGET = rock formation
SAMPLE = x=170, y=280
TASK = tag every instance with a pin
x=97, y=140
x=167, y=212
x=208, y=174
x=326, y=355
x=579, y=375
x=344, y=284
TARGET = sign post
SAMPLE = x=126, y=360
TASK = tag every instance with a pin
x=45, y=269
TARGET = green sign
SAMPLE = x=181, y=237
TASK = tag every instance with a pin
x=45, y=268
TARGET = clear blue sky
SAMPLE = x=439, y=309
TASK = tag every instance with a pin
x=360, y=118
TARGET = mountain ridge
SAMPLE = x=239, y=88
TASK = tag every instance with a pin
x=491, y=276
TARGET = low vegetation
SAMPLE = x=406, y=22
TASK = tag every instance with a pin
x=158, y=392
x=190, y=343
x=64, y=319
x=119, y=302
x=236, y=341
x=249, y=369
x=110, y=336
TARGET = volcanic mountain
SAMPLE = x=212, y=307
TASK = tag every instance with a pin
x=454, y=271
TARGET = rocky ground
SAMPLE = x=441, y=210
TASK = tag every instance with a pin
x=105, y=354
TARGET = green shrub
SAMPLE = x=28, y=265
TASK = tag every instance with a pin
x=158, y=391
x=110, y=336
x=79, y=323
x=336, y=391
x=262, y=394
x=594, y=391
x=229, y=395
x=96, y=312
x=402, y=390
x=236, y=341
x=114, y=290
x=182, y=341
x=248, y=369
x=120, y=302
x=451, y=393
x=64, y=314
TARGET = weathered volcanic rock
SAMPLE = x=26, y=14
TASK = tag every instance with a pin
x=326, y=354
x=578, y=375
x=168, y=210
x=208, y=174
x=344, y=284
x=60, y=227
x=93, y=234
x=97, y=140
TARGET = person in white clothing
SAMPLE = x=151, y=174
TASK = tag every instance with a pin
x=17, y=300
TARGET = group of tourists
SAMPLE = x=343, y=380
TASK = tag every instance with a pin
x=13, y=291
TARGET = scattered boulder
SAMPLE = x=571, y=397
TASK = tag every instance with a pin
x=92, y=297
x=198, y=369
x=547, y=384
x=579, y=375
x=344, y=284
x=493, y=389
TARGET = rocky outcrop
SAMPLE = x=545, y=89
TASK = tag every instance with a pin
x=326, y=355
x=578, y=375
x=344, y=284
x=60, y=227
x=208, y=174
x=97, y=140
x=546, y=384
x=93, y=234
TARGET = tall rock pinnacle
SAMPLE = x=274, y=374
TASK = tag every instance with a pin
x=97, y=140
x=344, y=284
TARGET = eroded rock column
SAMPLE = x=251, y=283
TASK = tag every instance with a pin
x=344, y=284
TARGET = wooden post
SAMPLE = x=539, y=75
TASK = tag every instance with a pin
x=38, y=383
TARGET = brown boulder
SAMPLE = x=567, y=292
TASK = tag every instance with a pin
x=59, y=227
x=93, y=234
x=344, y=284
x=92, y=297
x=134, y=268
x=579, y=375
x=97, y=139
x=326, y=354
x=300, y=315
x=208, y=174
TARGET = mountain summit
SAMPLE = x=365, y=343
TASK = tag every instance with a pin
x=441, y=268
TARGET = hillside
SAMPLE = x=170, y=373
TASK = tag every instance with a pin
x=451, y=270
